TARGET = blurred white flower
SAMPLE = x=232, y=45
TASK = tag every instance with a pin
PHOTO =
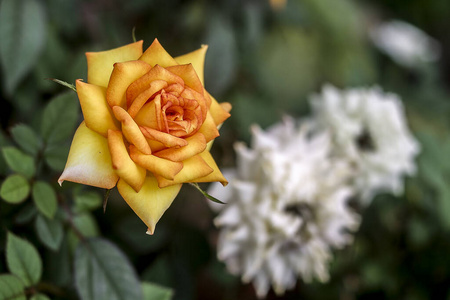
x=369, y=129
x=404, y=43
x=286, y=208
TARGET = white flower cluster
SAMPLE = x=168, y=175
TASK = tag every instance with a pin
x=369, y=129
x=287, y=201
x=286, y=208
x=404, y=43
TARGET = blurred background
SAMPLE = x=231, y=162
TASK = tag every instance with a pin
x=265, y=58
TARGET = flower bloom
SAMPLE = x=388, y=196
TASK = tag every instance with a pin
x=369, y=129
x=405, y=44
x=148, y=126
x=287, y=208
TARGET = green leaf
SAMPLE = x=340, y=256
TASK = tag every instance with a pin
x=56, y=156
x=27, y=139
x=11, y=288
x=156, y=292
x=23, y=259
x=23, y=35
x=50, y=232
x=39, y=296
x=15, y=189
x=86, y=225
x=87, y=201
x=19, y=162
x=102, y=271
x=60, y=118
x=45, y=198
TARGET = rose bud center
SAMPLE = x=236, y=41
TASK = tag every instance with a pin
x=180, y=114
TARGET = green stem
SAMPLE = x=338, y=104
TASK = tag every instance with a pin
x=133, y=34
x=213, y=199
x=105, y=200
x=48, y=288
x=63, y=83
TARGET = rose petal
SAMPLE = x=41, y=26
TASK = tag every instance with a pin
x=216, y=175
x=196, y=144
x=136, y=104
x=197, y=59
x=226, y=106
x=175, y=88
x=131, y=130
x=189, y=93
x=221, y=117
x=124, y=166
x=122, y=76
x=150, y=202
x=166, y=139
x=193, y=168
x=100, y=64
x=160, y=166
x=97, y=114
x=190, y=77
x=155, y=146
x=156, y=73
x=209, y=128
x=157, y=55
x=219, y=112
x=89, y=160
x=207, y=97
x=149, y=114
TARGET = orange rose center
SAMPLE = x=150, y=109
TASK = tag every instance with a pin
x=178, y=111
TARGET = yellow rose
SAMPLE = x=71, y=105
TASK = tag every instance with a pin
x=148, y=126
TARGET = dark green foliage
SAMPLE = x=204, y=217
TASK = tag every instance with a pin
x=23, y=260
x=103, y=272
x=23, y=35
